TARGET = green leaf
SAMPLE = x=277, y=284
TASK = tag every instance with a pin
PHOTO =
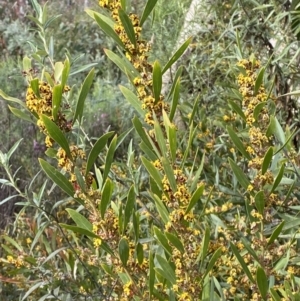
x=141, y=131
x=205, y=245
x=249, y=249
x=26, y=63
x=92, y=14
x=56, y=100
x=267, y=160
x=237, y=142
x=95, y=151
x=262, y=282
x=65, y=72
x=140, y=253
x=12, y=99
x=56, y=134
x=212, y=261
x=260, y=202
x=276, y=233
x=241, y=261
x=109, y=157
x=20, y=114
x=275, y=129
x=166, y=270
x=124, y=251
x=133, y=100
x=59, y=179
x=154, y=173
x=82, y=96
x=151, y=275
x=150, y=154
x=278, y=178
x=79, y=219
x=161, y=238
x=129, y=207
x=177, y=54
x=175, y=241
x=195, y=198
x=237, y=109
x=171, y=133
x=147, y=11
x=161, y=208
x=12, y=242
x=34, y=84
x=160, y=137
x=198, y=173
x=240, y=175
x=34, y=287
x=175, y=80
x=106, y=196
x=175, y=99
x=274, y=295
x=79, y=178
x=128, y=27
x=108, y=30
x=58, y=69
x=258, y=109
x=157, y=81
x=259, y=80
x=169, y=171
x=123, y=63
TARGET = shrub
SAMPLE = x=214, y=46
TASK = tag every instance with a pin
x=189, y=216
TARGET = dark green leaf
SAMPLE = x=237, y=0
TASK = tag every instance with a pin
x=59, y=179
x=34, y=84
x=157, y=80
x=249, y=249
x=166, y=270
x=106, y=196
x=195, y=198
x=128, y=27
x=56, y=134
x=175, y=99
x=151, y=275
x=258, y=109
x=175, y=241
x=108, y=30
x=259, y=80
x=262, y=282
x=278, y=178
x=20, y=114
x=161, y=238
x=129, y=207
x=161, y=208
x=172, y=142
x=267, y=160
x=140, y=253
x=79, y=219
x=133, y=100
x=205, y=245
x=160, y=137
x=177, y=54
x=237, y=142
x=95, y=151
x=212, y=261
x=124, y=251
x=79, y=178
x=260, y=202
x=169, y=171
x=82, y=96
x=109, y=157
x=276, y=233
x=154, y=173
x=275, y=295
x=241, y=261
x=141, y=131
x=240, y=175
x=237, y=109
x=56, y=100
x=147, y=11
x=175, y=80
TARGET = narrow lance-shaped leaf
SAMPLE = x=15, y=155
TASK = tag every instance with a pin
x=130, y=203
x=259, y=80
x=154, y=173
x=166, y=270
x=262, y=282
x=79, y=219
x=175, y=79
x=237, y=109
x=147, y=11
x=161, y=238
x=267, y=160
x=59, y=179
x=212, y=261
x=82, y=96
x=12, y=99
x=278, y=178
x=169, y=171
x=95, y=151
x=124, y=251
x=58, y=69
x=20, y=114
x=141, y=131
x=34, y=84
x=175, y=241
x=157, y=81
x=106, y=196
x=177, y=54
x=133, y=100
x=260, y=202
x=109, y=157
x=56, y=134
x=276, y=233
x=175, y=99
x=56, y=100
x=258, y=109
x=108, y=30
x=65, y=73
x=195, y=198
x=240, y=175
x=237, y=142
x=128, y=27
